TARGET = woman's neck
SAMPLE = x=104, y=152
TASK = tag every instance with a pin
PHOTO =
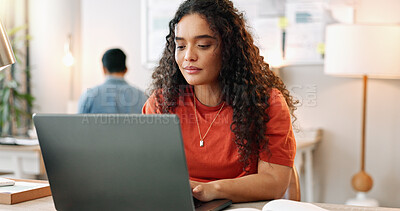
x=208, y=95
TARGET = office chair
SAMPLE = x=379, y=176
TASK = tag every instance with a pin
x=293, y=190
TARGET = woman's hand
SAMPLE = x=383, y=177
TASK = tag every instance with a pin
x=270, y=182
x=204, y=191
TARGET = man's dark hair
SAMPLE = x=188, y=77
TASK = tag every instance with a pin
x=114, y=60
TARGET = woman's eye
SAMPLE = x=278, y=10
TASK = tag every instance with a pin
x=180, y=47
x=204, y=46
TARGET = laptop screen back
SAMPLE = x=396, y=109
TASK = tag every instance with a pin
x=115, y=162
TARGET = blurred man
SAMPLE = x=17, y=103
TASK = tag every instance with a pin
x=115, y=95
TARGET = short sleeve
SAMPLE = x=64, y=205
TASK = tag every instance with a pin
x=150, y=106
x=143, y=98
x=281, y=141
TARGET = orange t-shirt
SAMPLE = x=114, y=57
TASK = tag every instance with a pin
x=219, y=157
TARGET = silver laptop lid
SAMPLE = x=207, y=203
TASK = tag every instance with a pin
x=114, y=161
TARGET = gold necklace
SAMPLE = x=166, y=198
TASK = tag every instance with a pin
x=197, y=121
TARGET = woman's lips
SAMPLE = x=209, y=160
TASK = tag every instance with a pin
x=192, y=69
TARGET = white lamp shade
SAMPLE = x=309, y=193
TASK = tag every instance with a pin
x=6, y=52
x=357, y=50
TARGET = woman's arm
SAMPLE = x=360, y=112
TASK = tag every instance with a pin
x=270, y=182
x=272, y=179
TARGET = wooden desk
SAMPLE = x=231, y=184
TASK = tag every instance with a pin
x=46, y=204
x=42, y=204
x=22, y=161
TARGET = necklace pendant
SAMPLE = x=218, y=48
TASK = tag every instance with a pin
x=201, y=142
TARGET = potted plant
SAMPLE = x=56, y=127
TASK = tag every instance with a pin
x=15, y=100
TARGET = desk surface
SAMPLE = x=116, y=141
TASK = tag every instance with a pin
x=46, y=204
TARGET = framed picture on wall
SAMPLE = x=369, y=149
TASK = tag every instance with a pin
x=156, y=15
x=305, y=32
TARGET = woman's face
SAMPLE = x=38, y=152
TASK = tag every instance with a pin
x=198, y=51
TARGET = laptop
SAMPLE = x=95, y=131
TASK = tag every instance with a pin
x=116, y=162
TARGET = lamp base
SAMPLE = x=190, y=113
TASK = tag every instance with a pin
x=362, y=200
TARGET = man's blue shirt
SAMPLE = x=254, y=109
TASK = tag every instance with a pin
x=115, y=95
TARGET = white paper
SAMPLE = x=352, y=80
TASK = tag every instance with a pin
x=6, y=182
x=306, y=30
x=289, y=205
x=18, y=141
x=271, y=8
x=27, y=142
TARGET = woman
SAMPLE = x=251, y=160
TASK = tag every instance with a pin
x=234, y=112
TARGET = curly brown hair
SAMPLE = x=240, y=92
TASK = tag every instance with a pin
x=246, y=80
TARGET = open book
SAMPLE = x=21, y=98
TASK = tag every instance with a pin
x=288, y=205
x=284, y=205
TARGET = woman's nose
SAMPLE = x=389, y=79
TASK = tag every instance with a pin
x=190, y=54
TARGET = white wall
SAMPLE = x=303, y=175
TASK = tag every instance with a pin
x=110, y=24
x=50, y=23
